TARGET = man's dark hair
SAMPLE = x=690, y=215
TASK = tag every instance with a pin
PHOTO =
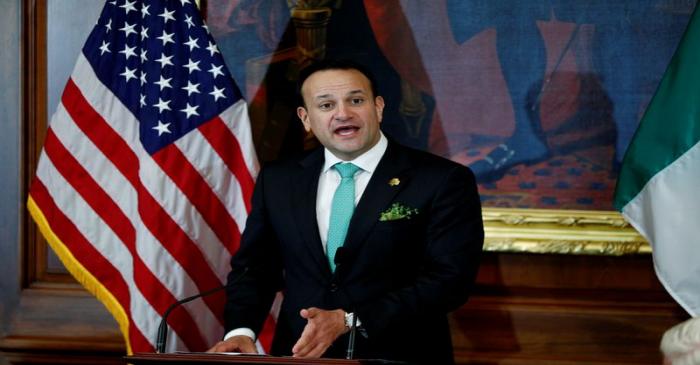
x=334, y=64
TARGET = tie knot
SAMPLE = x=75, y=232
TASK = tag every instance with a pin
x=346, y=169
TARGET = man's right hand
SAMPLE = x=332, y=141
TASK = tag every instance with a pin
x=242, y=344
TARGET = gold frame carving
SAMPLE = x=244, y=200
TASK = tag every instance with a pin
x=552, y=231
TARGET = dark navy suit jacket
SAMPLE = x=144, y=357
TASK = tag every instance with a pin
x=400, y=277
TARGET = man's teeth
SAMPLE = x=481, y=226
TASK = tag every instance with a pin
x=346, y=130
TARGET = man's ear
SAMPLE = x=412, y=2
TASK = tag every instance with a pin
x=379, y=106
x=304, y=118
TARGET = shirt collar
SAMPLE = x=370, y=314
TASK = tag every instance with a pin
x=367, y=161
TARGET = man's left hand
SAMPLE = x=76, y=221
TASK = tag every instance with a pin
x=322, y=328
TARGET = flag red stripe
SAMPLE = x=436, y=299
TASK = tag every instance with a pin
x=100, y=133
x=152, y=289
x=91, y=259
x=187, y=178
x=159, y=222
x=183, y=249
x=227, y=147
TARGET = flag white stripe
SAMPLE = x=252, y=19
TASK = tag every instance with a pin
x=661, y=213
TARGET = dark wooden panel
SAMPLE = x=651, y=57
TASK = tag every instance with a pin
x=554, y=309
x=63, y=325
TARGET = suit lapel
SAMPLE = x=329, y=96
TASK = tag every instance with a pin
x=377, y=196
x=305, y=188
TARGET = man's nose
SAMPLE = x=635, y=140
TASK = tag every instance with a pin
x=342, y=112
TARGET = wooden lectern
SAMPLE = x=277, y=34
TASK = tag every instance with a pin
x=206, y=358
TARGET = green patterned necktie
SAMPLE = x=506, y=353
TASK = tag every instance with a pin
x=341, y=210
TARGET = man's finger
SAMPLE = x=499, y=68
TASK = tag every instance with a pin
x=318, y=350
x=236, y=344
x=248, y=347
x=303, y=340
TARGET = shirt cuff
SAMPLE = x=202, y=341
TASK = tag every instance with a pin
x=243, y=331
x=358, y=322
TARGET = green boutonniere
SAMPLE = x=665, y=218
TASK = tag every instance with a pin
x=397, y=211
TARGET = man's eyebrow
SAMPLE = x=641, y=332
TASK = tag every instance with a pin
x=329, y=96
x=323, y=96
x=356, y=92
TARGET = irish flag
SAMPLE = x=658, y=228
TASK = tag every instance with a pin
x=658, y=190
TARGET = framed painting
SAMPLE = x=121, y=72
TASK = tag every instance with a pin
x=539, y=98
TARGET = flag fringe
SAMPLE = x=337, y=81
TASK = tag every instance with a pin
x=80, y=273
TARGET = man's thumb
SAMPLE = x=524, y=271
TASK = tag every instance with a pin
x=308, y=313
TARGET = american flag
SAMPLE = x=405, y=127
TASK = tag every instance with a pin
x=144, y=183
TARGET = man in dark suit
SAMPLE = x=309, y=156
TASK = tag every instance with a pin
x=408, y=224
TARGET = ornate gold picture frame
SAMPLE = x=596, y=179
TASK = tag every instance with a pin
x=549, y=231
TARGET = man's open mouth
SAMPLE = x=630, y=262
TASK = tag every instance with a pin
x=346, y=130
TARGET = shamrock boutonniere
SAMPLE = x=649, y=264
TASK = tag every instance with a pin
x=397, y=211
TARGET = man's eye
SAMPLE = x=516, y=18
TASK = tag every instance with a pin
x=325, y=106
x=357, y=100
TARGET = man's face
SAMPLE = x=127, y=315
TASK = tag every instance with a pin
x=341, y=111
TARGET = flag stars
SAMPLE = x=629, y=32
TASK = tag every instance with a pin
x=162, y=128
x=104, y=48
x=166, y=38
x=143, y=56
x=143, y=77
x=212, y=49
x=144, y=10
x=128, y=51
x=188, y=20
x=192, y=43
x=191, y=88
x=167, y=15
x=162, y=105
x=128, y=6
x=165, y=60
x=144, y=33
x=163, y=83
x=128, y=29
x=108, y=25
x=192, y=66
x=185, y=2
x=216, y=70
x=190, y=110
x=218, y=93
x=142, y=100
x=128, y=74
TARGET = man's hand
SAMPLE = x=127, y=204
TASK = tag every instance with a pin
x=322, y=328
x=242, y=344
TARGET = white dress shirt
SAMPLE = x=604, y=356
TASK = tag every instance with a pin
x=327, y=184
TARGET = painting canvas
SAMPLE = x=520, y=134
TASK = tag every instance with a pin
x=539, y=98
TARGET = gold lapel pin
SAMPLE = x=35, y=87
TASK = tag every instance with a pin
x=394, y=181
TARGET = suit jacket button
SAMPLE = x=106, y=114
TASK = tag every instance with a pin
x=333, y=288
